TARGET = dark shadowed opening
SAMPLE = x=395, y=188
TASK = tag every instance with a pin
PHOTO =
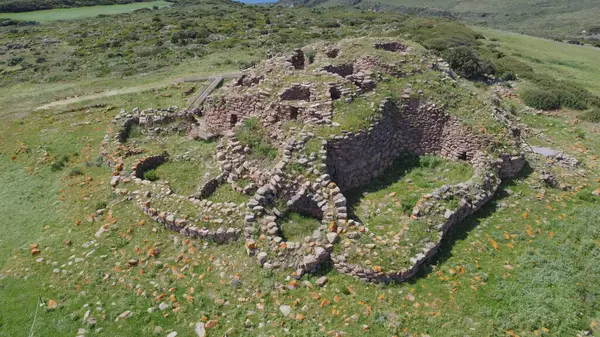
x=293, y=112
x=334, y=93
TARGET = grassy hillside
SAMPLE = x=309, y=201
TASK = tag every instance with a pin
x=16, y=6
x=560, y=60
x=552, y=18
x=43, y=16
x=526, y=264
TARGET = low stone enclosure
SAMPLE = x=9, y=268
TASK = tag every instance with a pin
x=326, y=144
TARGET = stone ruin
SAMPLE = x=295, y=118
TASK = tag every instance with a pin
x=284, y=90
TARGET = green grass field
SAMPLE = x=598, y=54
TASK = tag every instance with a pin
x=560, y=60
x=558, y=18
x=81, y=12
x=526, y=264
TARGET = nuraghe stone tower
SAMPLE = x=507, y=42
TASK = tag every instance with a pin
x=338, y=119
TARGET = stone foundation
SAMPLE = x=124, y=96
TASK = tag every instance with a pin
x=342, y=161
x=147, y=163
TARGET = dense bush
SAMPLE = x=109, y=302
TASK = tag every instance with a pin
x=467, y=63
x=59, y=163
x=9, y=22
x=151, y=175
x=508, y=68
x=592, y=115
x=569, y=94
x=440, y=35
x=328, y=24
x=540, y=99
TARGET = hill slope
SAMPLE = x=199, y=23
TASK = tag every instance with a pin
x=16, y=6
x=549, y=18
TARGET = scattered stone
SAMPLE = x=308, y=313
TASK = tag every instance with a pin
x=124, y=315
x=332, y=237
x=262, y=257
x=199, y=329
x=321, y=281
x=285, y=310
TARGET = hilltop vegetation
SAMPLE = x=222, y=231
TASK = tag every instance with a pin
x=16, y=6
x=551, y=19
x=118, y=47
x=525, y=265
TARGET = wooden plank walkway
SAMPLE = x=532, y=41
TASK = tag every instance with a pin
x=203, y=94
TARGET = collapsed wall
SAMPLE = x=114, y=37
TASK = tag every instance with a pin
x=354, y=159
x=299, y=102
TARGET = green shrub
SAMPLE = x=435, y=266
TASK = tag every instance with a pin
x=570, y=99
x=95, y=163
x=540, y=99
x=586, y=195
x=408, y=204
x=310, y=55
x=508, y=76
x=444, y=43
x=570, y=94
x=328, y=24
x=439, y=34
x=101, y=205
x=508, y=68
x=467, y=63
x=151, y=175
x=430, y=162
x=13, y=61
x=59, y=164
x=592, y=115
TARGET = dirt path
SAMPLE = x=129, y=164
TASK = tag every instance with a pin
x=130, y=90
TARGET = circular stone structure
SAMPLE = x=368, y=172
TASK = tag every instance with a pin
x=327, y=127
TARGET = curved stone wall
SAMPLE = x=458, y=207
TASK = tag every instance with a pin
x=354, y=159
x=146, y=164
x=342, y=162
x=472, y=194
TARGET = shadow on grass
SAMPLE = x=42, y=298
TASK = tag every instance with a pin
x=461, y=230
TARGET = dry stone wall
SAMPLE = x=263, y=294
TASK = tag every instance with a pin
x=354, y=159
x=343, y=161
x=472, y=194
